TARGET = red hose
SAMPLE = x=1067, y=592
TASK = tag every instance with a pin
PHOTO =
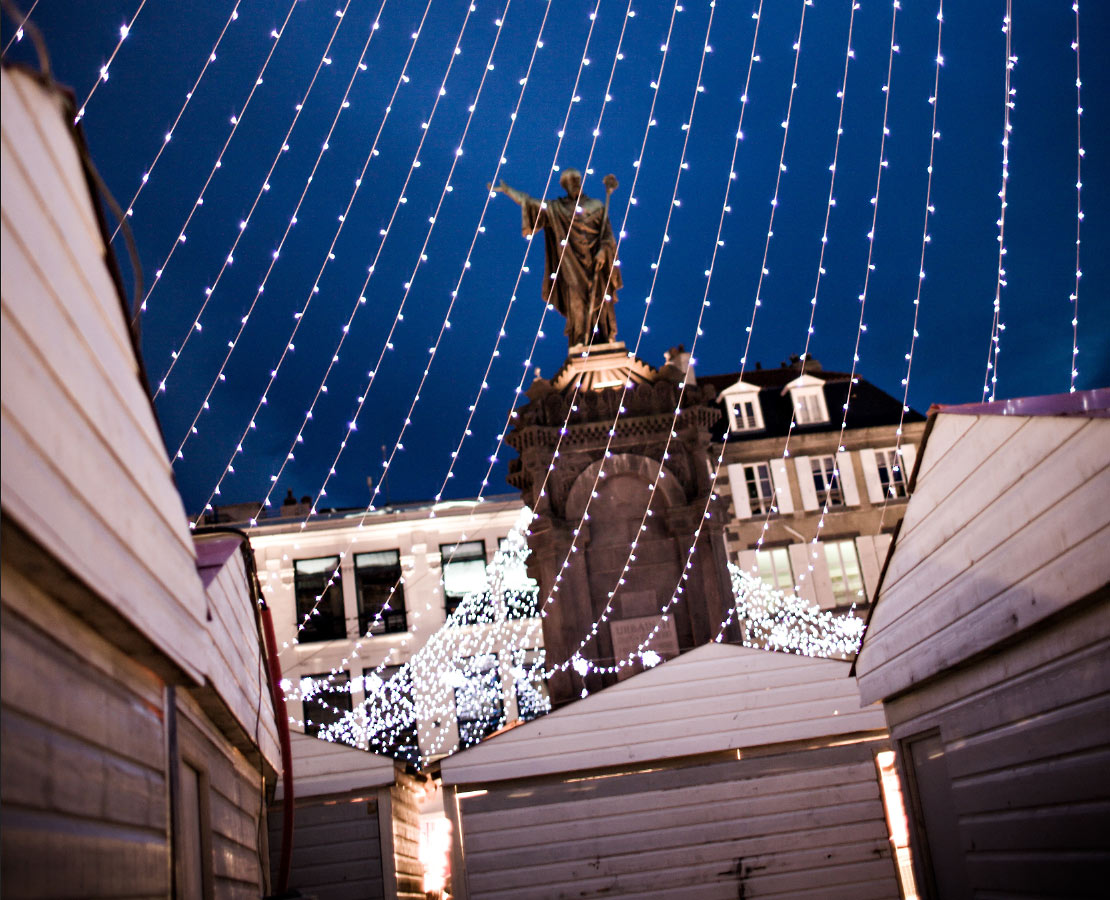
x=282, y=718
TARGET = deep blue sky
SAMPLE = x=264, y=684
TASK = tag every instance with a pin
x=159, y=61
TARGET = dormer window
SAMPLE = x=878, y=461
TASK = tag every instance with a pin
x=742, y=402
x=807, y=395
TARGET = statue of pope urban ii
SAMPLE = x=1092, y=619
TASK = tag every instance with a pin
x=587, y=281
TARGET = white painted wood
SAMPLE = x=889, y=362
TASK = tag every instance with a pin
x=801, y=558
x=747, y=562
x=716, y=697
x=869, y=563
x=909, y=460
x=783, y=498
x=847, y=471
x=822, y=582
x=871, y=476
x=1005, y=531
x=805, y=482
x=321, y=767
x=739, y=488
x=84, y=471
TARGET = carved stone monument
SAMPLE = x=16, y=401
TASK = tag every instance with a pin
x=558, y=489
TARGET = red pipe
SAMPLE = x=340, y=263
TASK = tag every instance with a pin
x=282, y=717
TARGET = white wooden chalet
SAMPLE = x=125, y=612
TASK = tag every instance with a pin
x=989, y=646
x=724, y=772
x=138, y=728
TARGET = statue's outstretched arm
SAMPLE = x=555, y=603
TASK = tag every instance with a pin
x=518, y=197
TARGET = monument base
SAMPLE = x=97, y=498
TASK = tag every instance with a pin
x=602, y=366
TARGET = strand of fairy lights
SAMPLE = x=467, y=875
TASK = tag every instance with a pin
x=208, y=60
x=244, y=223
x=537, y=45
x=373, y=152
x=421, y=257
x=1079, y=154
x=124, y=31
x=930, y=209
x=861, y=327
x=990, y=377
x=849, y=54
x=299, y=317
x=18, y=36
x=276, y=34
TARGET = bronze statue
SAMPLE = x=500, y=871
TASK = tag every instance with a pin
x=588, y=278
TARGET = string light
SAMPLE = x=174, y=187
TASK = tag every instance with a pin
x=934, y=136
x=990, y=377
x=18, y=36
x=1079, y=153
x=421, y=256
x=299, y=317
x=124, y=31
x=208, y=60
x=276, y=35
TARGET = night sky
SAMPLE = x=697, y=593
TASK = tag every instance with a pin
x=158, y=63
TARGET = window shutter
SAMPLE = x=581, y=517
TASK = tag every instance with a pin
x=871, y=476
x=747, y=562
x=822, y=582
x=909, y=457
x=783, y=500
x=869, y=563
x=799, y=562
x=739, y=487
x=848, y=479
x=805, y=482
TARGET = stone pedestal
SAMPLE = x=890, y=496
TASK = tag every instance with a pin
x=558, y=479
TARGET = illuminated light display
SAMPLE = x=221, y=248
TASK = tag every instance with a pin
x=124, y=32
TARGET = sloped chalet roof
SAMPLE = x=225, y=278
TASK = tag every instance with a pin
x=321, y=767
x=715, y=698
x=1007, y=524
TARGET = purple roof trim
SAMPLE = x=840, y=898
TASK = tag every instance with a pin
x=1091, y=404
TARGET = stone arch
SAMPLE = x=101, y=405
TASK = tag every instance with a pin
x=618, y=464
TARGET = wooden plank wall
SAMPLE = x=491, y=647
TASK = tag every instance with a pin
x=84, y=470
x=715, y=697
x=1007, y=526
x=336, y=847
x=404, y=802
x=235, y=663
x=323, y=767
x=233, y=799
x=82, y=774
x=807, y=823
x=1026, y=737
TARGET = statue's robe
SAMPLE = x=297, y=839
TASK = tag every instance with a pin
x=586, y=287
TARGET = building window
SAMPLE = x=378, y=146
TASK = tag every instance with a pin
x=757, y=479
x=529, y=684
x=381, y=596
x=826, y=480
x=773, y=568
x=808, y=398
x=892, y=476
x=742, y=402
x=319, y=590
x=327, y=700
x=844, y=572
x=464, y=571
x=388, y=702
x=478, y=706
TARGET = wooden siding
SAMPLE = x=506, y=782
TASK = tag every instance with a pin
x=236, y=664
x=1008, y=525
x=1026, y=739
x=404, y=806
x=322, y=767
x=233, y=800
x=714, y=698
x=84, y=470
x=82, y=774
x=801, y=824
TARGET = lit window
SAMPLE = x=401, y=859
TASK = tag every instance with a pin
x=326, y=699
x=757, y=479
x=381, y=596
x=478, y=706
x=826, y=480
x=464, y=571
x=319, y=591
x=773, y=569
x=844, y=572
x=389, y=702
x=892, y=476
